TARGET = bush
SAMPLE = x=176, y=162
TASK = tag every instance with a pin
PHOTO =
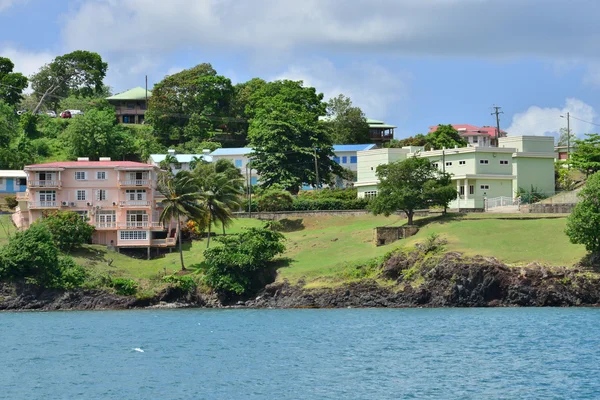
x=329, y=204
x=184, y=283
x=124, y=287
x=240, y=264
x=583, y=225
x=433, y=244
x=340, y=194
x=275, y=200
x=11, y=202
x=71, y=275
x=68, y=229
x=530, y=196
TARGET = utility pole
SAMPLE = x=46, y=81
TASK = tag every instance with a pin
x=497, y=112
x=316, y=168
x=568, y=138
x=146, y=91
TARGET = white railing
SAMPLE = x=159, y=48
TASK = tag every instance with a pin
x=134, y=203
x=43, y=204
x=44, y=183
x=135, y=182
x=141, y=224
x=501, y=201
x=105, y=225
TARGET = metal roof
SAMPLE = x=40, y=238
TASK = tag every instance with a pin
x=137, y=93
x=12, y=173
x=232, y=151
x=352, y=147
x=181, y=158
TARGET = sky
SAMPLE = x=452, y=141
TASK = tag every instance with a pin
x=411, y=63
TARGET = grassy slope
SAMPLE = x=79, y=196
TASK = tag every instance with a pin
x=6, y=228
x=330, y=247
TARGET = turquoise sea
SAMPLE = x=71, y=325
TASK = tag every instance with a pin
x=517, y=353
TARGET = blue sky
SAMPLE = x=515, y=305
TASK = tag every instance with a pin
x=412, y=63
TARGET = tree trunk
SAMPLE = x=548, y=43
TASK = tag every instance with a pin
x=223, y=229
x=180, y=248
x=208, y=239
x=410, y=215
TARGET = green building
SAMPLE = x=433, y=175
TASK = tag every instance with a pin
x=131, y=105
x=481, y=174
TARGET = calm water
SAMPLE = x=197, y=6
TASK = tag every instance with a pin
x=302, y=354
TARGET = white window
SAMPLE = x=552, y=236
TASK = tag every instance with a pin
x=484, y=161
x=436, y=165
x=462, y=162
x=105, y=217
x=81, y=195
x=47, y=195
x=135, y=194
x=503, y=162
x=134, y=235
x=484, y=187
x=371, y=194
x=448, y=163
x=462, y=190
x=474, y=139
x=101, y=194
x=101, y=175
x=80, y=175
x=471, y=189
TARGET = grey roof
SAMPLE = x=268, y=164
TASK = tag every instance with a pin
x=232, y=151
x=181, y=158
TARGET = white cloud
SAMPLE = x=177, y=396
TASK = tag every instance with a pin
x=371, y=87
x=540, y=121
x=480, y=28
x=6, y=4
x=26, y=62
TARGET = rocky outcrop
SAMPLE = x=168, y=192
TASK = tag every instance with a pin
x=414, y=279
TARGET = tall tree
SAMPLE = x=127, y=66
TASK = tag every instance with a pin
x=445, y=136
x=583, y=224
x=80, y=73
x=586, y=156
x=12, y=83
x=238, y=122
x=347, y=123
x=97, y=134
x=190, y=104
x=287, y=138
x=409, y=185
x=565, y=138
x=182, y=200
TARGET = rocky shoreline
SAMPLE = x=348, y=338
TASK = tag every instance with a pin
x=411, y=280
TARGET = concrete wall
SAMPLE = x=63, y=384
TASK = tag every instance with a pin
x=538, y=172
x=389, y=234
x=528, y=144
x=539, y=208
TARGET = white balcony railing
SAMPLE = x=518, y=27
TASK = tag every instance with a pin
x=135, y=203
x=105, y=225
x=43, y=204
x=140, y=224
x=135, y=182
x=44, y=183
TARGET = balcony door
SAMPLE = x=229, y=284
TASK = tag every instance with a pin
x=137, y=219
x=46, y=196
x=138, y=177
x=106, y=219
x=135, y=195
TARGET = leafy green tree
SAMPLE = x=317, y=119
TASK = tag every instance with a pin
x=417, y=140
x=238, y=266
x=97, y=134
x=80, y=73
x=182, y=200
x=565, y=138
x=12, y=83
x=445, y=136
x=586, y=157
x=410, y=185
x=275, y=198
x=239, y=104
x=287, y=136
x=190, y=104
x=33, y=255
x=97, y=101
x=68, y=229
x=347, y=124
x=15, y=147
x=583, y=225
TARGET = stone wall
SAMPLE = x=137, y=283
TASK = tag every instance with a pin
x=539, y=208
x=388, y=234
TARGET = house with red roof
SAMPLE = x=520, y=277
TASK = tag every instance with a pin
x=486, y=136
x=119, y=198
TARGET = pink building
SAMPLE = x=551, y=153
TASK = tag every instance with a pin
x=485, y=136
x=118, y=197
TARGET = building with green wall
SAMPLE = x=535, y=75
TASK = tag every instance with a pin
x=480, y=173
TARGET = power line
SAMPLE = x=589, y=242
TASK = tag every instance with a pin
x=587, y=122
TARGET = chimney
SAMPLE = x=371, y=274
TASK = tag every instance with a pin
x=83, y=159
x=171, y=152
x=104, y=158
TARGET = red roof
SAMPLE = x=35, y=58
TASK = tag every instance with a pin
x=90, y=164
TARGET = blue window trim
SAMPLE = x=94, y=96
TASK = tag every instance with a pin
x=344, y=160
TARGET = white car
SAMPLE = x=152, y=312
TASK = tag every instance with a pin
x=75, y=112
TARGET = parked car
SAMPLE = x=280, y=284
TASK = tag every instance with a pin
x=75, y=112
x=65, y=114
x=51, y=114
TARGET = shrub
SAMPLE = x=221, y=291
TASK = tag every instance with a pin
x=340, y=194
x=275, y=200
x=583, y=224
x=11, y=202
x=239, y=265
x=434, y=243
x=184, y=283
x=71, y=274
x=533, y=195
x=124, y=287
x=68, y=229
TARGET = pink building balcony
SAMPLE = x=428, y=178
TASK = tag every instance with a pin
x=135, y=203
x=134, y=183
x=43, y=204
x=44, y=184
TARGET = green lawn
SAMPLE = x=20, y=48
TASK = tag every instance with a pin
x=6, y=228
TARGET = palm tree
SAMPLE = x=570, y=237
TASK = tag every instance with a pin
x=182, y=199
x=221, y=196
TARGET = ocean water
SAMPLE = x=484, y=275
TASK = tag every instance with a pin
x=525, y=353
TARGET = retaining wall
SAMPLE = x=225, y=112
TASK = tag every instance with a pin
x=539, y=208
